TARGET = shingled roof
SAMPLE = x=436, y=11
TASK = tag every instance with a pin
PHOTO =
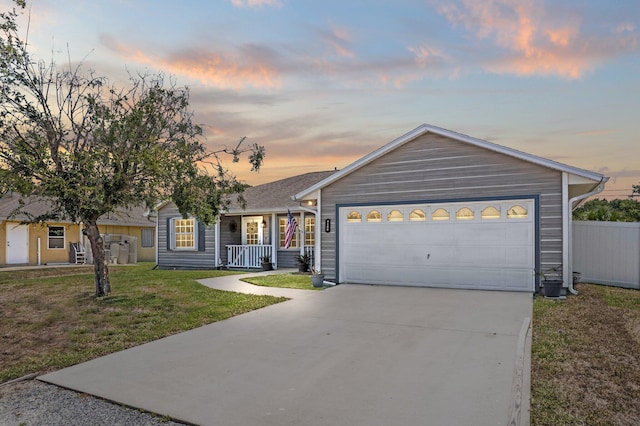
x=136, y=216
x=276, y=196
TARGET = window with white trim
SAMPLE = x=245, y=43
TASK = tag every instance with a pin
x=55, y=237
x=309, y=231
x=282, y=231
x=184, y=234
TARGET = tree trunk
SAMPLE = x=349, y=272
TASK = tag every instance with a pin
x=100, y=261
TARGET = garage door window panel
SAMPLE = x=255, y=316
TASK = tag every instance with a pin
x=440, y=214
x=374, y=216
x=417, y=215
x=490, y=213
x=395, y=216
x=465, y=213
x=354, y=216
x=517, y=212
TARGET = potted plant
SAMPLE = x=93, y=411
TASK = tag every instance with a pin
x=303, y=261
x=317, y=278
x=551, y=281
x=266, y=263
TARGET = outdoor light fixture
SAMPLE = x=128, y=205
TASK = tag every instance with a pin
x=327, y=225
x=264, y=224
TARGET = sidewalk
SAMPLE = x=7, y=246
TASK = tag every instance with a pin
x=235, y=283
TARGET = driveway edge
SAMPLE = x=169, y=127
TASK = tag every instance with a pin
x=519, y=413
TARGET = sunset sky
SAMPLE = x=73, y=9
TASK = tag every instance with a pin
x=322, y=83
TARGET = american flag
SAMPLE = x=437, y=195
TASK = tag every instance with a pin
x=290, y=230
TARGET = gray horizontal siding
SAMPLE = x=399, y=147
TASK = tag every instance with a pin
x=433, y=168
x=229, y=237
x=180, y=259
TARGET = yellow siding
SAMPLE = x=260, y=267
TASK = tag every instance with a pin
x=72, y=235
x=145, y=254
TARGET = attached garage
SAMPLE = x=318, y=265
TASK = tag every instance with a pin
x=441, y=209
x=486, y=245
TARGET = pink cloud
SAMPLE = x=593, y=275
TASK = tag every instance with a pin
x=220, y=70
x=534, y=41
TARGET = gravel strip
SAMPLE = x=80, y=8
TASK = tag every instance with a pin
x=34, y=403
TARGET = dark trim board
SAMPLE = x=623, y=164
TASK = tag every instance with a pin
x=534, y=197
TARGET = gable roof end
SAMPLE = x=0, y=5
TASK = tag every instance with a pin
x=427, y=128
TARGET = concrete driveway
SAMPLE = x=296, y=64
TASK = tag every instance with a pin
x=349, y=355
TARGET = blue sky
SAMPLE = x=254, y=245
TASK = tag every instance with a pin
x=321, y=83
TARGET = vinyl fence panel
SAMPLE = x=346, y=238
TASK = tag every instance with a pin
x=607, y=252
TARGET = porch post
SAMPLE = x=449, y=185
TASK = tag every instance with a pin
x=216, y=233
x=275, y=239
x=301, y=233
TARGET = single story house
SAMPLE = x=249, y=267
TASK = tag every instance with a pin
x=25, y=243
x=430, y=208
x=242, y=237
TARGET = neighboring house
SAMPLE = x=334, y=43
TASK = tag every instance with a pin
x=241, y=236
x=431, y=208
x=24, y=243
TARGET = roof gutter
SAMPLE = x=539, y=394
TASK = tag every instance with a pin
x=598, y=189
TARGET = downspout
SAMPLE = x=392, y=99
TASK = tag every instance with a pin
x=598, y=189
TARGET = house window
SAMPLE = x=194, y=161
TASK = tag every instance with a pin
x=310, y=231
x=490, y=213
x=354, y=216
x=395, y=216
x=56, y=237
x=440, y=214
x=282, y=230
x=185, y=234
x=417, y=215
x=148, y=237
x=374, y=216
x=464, y=213
x=517, y=212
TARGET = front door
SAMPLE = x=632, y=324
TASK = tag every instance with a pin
x=252, y=230
x=17, y=243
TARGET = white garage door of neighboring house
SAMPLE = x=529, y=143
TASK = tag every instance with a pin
x=474, y=245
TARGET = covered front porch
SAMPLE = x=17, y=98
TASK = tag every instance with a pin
x=247, y=240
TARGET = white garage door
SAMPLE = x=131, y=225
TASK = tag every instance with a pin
x=475, y=245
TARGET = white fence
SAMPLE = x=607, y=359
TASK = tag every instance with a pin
x=607, y=252
x=248, y=256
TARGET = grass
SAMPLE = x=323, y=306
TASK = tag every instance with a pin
x=51, y=319
x=585, y=362
x=299, y=281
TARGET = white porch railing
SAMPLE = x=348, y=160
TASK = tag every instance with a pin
x=247, y=256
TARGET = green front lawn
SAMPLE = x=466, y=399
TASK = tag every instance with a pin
x=585, y=363
x=51, y=320
x=299, y=281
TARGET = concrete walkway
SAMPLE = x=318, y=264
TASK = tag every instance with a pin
x=348, y=355
x=234, y=283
